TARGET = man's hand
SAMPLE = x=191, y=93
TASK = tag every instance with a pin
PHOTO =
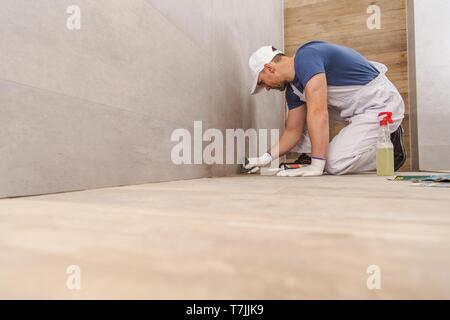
x=315, y=169
x=254, y=164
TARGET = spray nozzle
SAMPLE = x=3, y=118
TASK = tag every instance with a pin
x=385, y=118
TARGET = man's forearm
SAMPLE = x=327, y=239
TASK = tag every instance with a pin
x=288, y=140
x=295, y=124
x=318, y=129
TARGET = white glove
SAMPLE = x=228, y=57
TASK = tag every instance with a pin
x=315, y=169
x=254, y=163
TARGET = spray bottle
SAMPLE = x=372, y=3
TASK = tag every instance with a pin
x=385, y=148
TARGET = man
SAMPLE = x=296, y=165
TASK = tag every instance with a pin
x=326, y=81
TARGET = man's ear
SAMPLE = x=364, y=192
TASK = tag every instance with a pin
x=269, y=68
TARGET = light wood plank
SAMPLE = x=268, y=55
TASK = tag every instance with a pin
x=345, y=22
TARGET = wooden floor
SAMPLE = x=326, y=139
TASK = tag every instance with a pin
x=230, y=238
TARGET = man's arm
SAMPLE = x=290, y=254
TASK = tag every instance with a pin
x=317, y=120
x=317, y=115
x=292, y=134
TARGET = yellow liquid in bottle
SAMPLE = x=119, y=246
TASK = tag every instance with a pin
x=385, y=161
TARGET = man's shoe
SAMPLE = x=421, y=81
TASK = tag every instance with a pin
x=399, y=149
x=303, y=159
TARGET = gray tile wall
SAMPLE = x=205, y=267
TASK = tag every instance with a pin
x=431, y=83
x=96, y=107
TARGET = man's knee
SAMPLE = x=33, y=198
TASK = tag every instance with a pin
x=362, y=162
x=334, y=167
x=337, y=161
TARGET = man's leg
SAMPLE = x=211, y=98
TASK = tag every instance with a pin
x=304, y=146
x=353, y=150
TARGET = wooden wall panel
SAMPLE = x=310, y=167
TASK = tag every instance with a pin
x=345, y=22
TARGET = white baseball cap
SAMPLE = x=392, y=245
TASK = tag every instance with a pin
x=261, y=57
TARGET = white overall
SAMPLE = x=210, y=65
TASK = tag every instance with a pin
x=353, y=150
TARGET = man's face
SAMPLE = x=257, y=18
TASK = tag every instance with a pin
x=270, y=78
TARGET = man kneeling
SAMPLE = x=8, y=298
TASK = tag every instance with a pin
x=326, y=82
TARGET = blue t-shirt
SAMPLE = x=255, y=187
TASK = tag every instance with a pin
x=342, y=66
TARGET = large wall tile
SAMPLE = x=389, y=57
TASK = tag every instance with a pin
x=52, y=143
x=96, y=107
